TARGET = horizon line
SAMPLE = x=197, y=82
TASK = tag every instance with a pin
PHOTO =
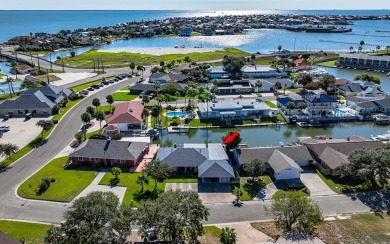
x=205, y=10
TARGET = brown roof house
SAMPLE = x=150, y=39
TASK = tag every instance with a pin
x=127, y=117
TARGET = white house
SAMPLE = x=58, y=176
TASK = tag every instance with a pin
x=218, y=73
x=261, y=71
x=284, y=168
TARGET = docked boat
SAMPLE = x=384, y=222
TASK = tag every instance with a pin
x=383, y=137
x=305, y=124
x=382, y=119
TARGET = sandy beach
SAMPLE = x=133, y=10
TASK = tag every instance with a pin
x=161, y=51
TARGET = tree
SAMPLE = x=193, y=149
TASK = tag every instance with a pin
x=141, y=68
x=145, y=99
x=302, y=106
x=187, y=59
x=162, y=63
x=234, y=143
x=174, y=216
x=72, y=54
x=56, y=109
x=277, y=86
x=90, y=110
x=191, y=92
x=96, y=102
x=95, y=218
x=289, y=106
x=86, y=118
x=26, y=84
x=8, y=149
x=110, y=100
x=294, y=210
x=233, y=65
x=303, y=79
x=237, y=193
x=361, y=43
x=177, y=95
x=116, y=171
x=132, y=67
x=378, y=47
x=145, y=114
x=171, y=88
x=157, y=87
x=156, y=110
x=158, y=170
x=79, y=137
x=141, y=180
x=228, y=236
x=253, y=57
x=254, y=169
x=367, y=77
x=351, y=48
x=46, y=125
x=100, y=116
x=387, y=49
x=326, y=81
x=258, y=84
x=369, y=165
x=280, y=48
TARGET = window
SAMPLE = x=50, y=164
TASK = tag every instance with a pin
x=97, y=159
x=123, y=161
x=80, y=158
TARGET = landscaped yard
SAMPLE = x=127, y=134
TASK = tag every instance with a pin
x=330, y=64
x=124, y=96
x=211, y=235
x=343, y=185
x=128, y=180
x=270, y=104
x=293, y=89
x=304, y=191
x=250, y=187
x=69, y=181
x=123, y=59
x=66, y=109
x=31, y=233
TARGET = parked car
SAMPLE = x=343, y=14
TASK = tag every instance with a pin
x=141, y=94
x=6, y=117
x=100, y=85
x=4, y=128
x=111, y=81
x=105, y=83
x=90, y=88
x=29, y=115
x=129, y=76
x=118, y=78
x=123, y=77
x=84, y=92
x=95, y=86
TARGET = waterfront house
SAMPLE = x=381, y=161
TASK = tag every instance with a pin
x=209, y=163
x=218, y=73
x=109, y=153
x=332, y=153
x=282, y=103
x=284, y=163
x=302, y=64
x=127, y=117
x=235, y=109
x=229, y=87
x=351, y=89
x=261, y=71
x=320, y=104
x=149, y=88
x=268, y=84
x=167, y=77
x=364, y=61
x=185, y=31
x=208, y=32
x=37, y=101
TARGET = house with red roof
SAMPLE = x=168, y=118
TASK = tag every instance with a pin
x=301, y=64
x=127, y=117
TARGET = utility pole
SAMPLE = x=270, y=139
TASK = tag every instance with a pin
x=39, y=66
x=62, y=60
x=101, y=61
x=94, y=67
x=51, y=64
x=98, y=65
x=47, y=75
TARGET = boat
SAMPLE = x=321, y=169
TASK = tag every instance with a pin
x=305, y=124
x=388, y=74
x=383, y=137
x=382, y=119
x=176, y=46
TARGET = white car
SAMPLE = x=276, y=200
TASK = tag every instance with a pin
x=4, y=128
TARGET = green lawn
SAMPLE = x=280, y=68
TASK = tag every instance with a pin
x=122, y=59
x=270, y=104
x=66, y=109
x=70, y=181
x=293, y=89
x=128, y=180
x=123, y=96
x=304, y=191
x=330, y=64
x=7, y=96
x=281, y=118
x=31, y=233
x=250, y=187
x=212, y=230
x=343, y=185
x=126, y=88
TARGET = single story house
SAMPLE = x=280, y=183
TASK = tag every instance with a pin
x=235, y=109
x=227, y=86
x=211, y=164
x=109, y=153
x=126, y=117
x=302, y=64
x=284, y=162
x=331, y=153
x=149, y=88
x=37, y=101
x=260, y=71
x=166, y=77
x=218, y=73
x=188, y=69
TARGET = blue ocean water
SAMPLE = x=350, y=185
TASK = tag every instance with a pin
x=23, y=22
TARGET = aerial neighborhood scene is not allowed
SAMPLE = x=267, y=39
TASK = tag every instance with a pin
x=187, y=126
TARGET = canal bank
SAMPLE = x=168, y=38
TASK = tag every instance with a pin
x=271, y=135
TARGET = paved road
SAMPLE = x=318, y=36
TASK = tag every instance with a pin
x=10, y=205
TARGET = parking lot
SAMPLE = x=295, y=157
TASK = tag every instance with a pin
x=21, y=131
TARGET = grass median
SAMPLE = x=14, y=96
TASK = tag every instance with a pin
x=88, y=84
x=31, y=233
x=122, y=59
x=133, y=193
x=67, y=182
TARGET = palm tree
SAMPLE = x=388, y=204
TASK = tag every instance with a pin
x=280, y=48
x=100, y=116
x=258, y=84
x=145, y=113
x=9, y=81
x=177, y=95
x=378, y=47
x=302, y=106
x=132, y=67
x=145, y=99
x=142, y=69
x=361, y=43
x=110, y=100
x=351, y=48
x=277, y=86
x=192, y=92
x=228, y=236
x=86, y=118
x=157, y=86
x=289, y=106
x=141, y=180
x=387, y=49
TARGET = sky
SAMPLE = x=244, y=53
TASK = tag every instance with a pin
x=191, y=4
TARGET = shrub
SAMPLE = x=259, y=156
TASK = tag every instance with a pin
x=43, y=185
x=98, y=136
x=174, y=123
x=74, y=96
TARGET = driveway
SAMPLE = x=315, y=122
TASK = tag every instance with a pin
x=314, y=183
x=21, y=131
x=206, y=197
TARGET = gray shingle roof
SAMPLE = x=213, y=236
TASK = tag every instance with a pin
x=343, y=147
x=280, y=161
x=182, y=157
x=37, y=100
x=123, y=150
x=296, y=153
x=215, y=169
x=333, y=158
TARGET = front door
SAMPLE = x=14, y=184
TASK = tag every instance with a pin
x=108, y=162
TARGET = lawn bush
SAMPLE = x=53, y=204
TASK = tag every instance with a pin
x=43, y=185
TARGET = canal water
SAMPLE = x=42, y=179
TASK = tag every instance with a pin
x=272, y=135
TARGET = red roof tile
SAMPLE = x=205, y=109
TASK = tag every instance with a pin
x=112, y=127
x=126, y=113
